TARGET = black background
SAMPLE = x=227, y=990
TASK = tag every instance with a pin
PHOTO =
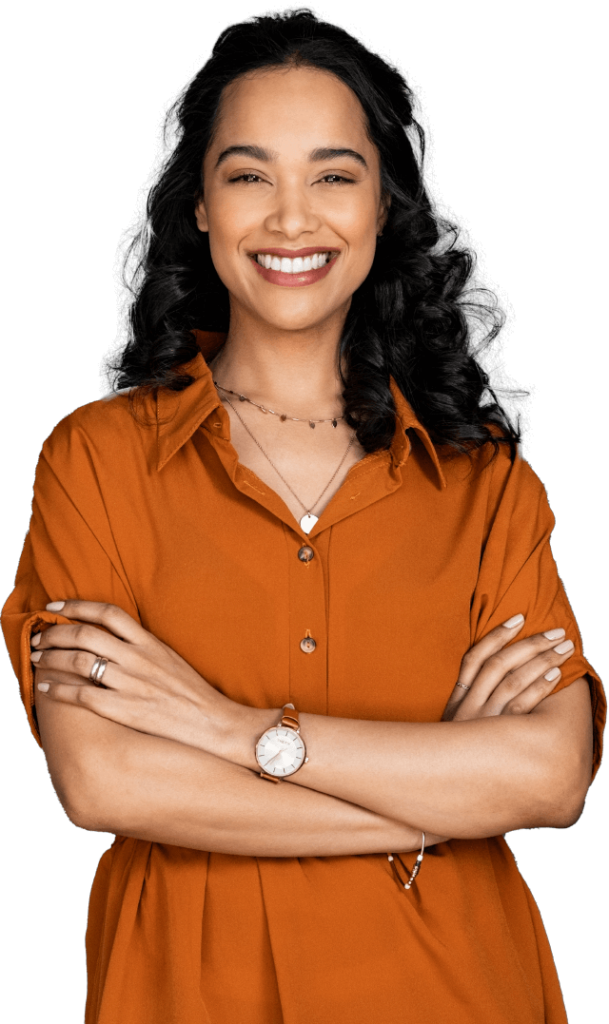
x=515, y=102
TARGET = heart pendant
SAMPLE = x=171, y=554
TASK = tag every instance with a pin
x=308, y=522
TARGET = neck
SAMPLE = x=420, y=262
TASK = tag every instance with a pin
x=297, y=370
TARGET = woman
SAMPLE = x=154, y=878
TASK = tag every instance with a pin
x=303, y=509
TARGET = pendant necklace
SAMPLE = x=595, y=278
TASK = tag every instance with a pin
x=308, y=520
x=282, y=415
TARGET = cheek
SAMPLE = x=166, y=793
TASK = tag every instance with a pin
x=225, y=230
x=234, y=211
x=357, y=221
x=360, y=230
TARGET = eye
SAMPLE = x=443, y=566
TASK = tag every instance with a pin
x=336, y=179
x=247, y=178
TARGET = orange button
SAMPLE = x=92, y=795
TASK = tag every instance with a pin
x=306, y=553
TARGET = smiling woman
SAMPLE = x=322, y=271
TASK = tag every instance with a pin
x=299, y=641
x=321, y=123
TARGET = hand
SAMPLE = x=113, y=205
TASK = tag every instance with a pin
x=495, y=680
x=146, y=685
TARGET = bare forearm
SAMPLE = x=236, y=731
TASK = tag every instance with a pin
x=466, y=779
x=164, y=792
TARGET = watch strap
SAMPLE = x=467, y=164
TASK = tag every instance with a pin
x=290, y=718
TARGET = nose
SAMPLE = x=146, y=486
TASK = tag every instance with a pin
x=292, y=213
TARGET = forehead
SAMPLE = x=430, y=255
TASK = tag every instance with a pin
x=295, y=108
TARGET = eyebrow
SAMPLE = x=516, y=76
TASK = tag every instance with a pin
x=257, y=153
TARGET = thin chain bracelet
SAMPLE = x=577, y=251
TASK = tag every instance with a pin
x=417, y=867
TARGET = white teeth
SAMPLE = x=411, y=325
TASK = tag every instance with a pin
x=296, y=266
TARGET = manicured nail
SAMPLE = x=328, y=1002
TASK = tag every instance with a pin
x=35, y=639
x=35, y=655
x=554, y=634
x=552, y=674
x=43, y=686
x=564, y=647
x=55, y=606
x=516, y=620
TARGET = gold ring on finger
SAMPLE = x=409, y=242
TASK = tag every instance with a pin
x=97, y=670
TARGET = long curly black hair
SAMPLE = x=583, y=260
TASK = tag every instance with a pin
x=414, y=317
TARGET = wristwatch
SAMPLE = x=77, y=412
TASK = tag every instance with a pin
x=280, y=751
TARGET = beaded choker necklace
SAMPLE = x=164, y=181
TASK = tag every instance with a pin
x=283, y=416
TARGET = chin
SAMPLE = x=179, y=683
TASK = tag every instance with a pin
x=307, y=317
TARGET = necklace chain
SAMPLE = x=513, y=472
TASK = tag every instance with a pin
x=308, y=511
x=311, y=420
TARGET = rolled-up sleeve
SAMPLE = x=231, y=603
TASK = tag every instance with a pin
x=518, y=574
x=69, y=552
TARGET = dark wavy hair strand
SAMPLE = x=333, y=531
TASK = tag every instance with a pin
x=413, y=317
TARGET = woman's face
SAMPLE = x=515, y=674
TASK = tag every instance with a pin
x=292, y=196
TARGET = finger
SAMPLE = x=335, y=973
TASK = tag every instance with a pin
x=533, y=695
x=515, y=683
x=475, y=658
x=77, y=663
x=105, y=703
x=490, y=644
x=93, y=642
x=499, y=671
x=110, y=616
x=509, y=671
x=79, y=635
x=454, y=702
x=505, y=659
x=48, y=685
x=67, y=689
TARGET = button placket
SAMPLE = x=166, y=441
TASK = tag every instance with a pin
x=308, y=625
x=308, y=643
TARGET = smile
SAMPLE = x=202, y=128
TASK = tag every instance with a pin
x=300, y=270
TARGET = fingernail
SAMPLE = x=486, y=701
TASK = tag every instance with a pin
x=43, y=686
x=552, y=674
x=554, y=634
x=35, y=655
x=567, y=645
x=35, y=640
x=516, y=620
x=55, y=606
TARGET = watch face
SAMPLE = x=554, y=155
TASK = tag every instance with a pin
x=280, y=751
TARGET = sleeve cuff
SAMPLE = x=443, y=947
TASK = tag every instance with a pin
x=35, y=622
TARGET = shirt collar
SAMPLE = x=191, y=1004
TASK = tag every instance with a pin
x=180, y=413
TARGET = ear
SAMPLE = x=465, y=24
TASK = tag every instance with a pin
x=201, y=216
x=384, y=205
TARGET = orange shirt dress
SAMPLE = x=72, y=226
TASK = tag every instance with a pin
x=416, y=557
